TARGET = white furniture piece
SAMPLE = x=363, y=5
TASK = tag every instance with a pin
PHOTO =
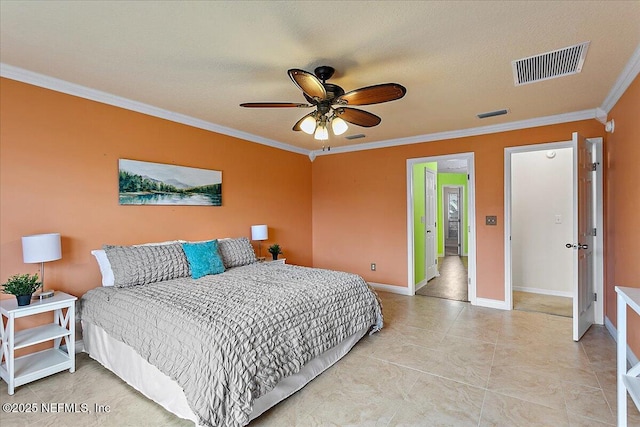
x=280, y=260
x=628, y=381
x=22, y=370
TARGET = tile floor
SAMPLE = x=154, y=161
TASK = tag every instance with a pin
x=550, y=304
x=437, y=362
x=452, y=281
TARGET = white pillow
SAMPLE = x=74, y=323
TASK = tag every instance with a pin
x=108, y=279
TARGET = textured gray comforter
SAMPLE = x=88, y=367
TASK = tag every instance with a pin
x=227, y=339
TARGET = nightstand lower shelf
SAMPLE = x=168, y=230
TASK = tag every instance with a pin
x=38, y=365
x=39, y=334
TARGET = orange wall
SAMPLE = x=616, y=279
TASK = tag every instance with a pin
x=59, y=173
x=623, y=196
x=360, y=206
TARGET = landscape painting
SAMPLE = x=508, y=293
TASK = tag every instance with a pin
x=145, y=183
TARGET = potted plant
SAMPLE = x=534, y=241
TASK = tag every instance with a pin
x=22, y=286
x=275, y=250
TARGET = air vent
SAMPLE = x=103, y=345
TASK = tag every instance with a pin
x=360, y=135
x=557, y=63
x=492, y=114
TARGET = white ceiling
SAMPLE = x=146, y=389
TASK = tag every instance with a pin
x=202, y=59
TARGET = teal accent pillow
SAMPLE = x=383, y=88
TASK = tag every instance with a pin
x=203, y=258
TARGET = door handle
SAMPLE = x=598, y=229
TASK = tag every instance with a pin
x=578, y=246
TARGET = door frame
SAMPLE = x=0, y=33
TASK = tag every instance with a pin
x=598, y=212
x=471, y=226
x=461, y=207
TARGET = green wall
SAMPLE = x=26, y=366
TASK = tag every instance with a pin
x=418, y=213
x=445, y=179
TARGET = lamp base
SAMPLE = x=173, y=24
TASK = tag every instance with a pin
x=42, y=295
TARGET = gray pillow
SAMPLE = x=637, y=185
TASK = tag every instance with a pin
x=236, y=252
x=140, y=265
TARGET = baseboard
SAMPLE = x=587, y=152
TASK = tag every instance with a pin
x=421, y=284
x=540, y=291
x=492, y=303
x=631, y=357
x=390, y=288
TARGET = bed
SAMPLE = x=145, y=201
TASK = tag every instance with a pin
x=220, y=345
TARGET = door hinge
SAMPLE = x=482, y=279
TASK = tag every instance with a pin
x=594, y=232
x=468, y=177
x=595, y=296
x=594, y=166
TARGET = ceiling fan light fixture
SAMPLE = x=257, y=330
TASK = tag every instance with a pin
x=322, y=134
x=338, y=126
x=330, y=102
x=308, y=125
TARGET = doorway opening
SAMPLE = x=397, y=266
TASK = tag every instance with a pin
x=452, y=226
x=553, y=229
x=452, y=208
x=541, y=224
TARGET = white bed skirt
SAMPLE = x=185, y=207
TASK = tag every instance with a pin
x=123, y=360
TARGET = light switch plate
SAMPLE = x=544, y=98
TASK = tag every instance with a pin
x=491, y=220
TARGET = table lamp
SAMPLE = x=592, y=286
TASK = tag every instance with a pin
x=41, y=248
x=259, y=233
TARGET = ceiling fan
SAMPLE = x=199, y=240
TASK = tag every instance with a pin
x=331, y=102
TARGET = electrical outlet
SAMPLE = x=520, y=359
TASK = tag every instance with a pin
x=373, y=266
x=491, y=220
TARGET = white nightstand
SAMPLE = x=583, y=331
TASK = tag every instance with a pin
x=22, y=370
x=628, y=380
x=277, y=261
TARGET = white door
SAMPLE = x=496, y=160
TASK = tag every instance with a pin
x=431, y=260
x=582, y=245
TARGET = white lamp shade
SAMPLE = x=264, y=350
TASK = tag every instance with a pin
x=338, y=126
x=41, y=248
x=322, y=134
x=259, y=232
x=308, y=125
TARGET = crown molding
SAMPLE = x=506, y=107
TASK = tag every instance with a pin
x=629, y=73
x=58, y=85
x=41, y=80
x=482, y=130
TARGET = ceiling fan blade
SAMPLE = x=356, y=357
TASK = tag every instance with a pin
x=358, y=117
x=297, y=127
x=373, y=94
x=274, y=105
x=308, y=83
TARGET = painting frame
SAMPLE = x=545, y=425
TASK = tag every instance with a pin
x=161, y=184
